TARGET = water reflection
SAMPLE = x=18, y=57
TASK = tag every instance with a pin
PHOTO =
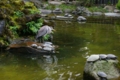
x=48, y=63
x=55, y=71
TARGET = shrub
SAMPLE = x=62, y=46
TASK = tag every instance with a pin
x=97, y=9
x=118, y=4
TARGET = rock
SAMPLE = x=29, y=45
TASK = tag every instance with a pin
x=45, y=11
x=97, y=13
x=45, y=6
x=16, y=13
x=81, y=18
x=55, y=2
x=2, y=26
x=116, y=11
x=67, y=11
x=63, y=17
x=87, y=12
x=75, y=2
x=26, y=46
x=109, y=67
x=79, y=10
x=57, y=11
x=109, y=8
x=112, y=14
x=37, y=3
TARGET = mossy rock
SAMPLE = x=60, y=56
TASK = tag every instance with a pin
x=29, y=5
x=26, y=11
x=21, y=20
x=109, y=67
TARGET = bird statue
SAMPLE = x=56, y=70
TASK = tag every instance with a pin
x=44, y=31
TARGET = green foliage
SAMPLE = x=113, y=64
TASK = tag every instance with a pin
x=29, y=4
x=109, y=2
x=19, y=13
x=14, y=12
x=3, y=42
x=46, y=37
x=118, y=4
x=14, y=29
x=32, y=11
x=64, y=6
x=97, y=9
x=31, y=8
x=87, y=2
x=33, y=26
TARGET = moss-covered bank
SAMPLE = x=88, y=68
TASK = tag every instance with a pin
x=21, y=19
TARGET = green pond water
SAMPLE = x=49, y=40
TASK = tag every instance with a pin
x=76, y=41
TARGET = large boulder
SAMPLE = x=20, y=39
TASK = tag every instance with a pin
x=108, y=67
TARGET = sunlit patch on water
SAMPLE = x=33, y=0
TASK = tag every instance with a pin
x=84, y=49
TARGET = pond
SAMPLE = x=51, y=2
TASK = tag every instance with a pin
x=76, y=41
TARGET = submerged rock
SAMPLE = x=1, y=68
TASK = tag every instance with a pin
x=108, y=67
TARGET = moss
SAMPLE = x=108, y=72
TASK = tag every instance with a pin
x=16, y=14
x=29, y=5
x=3, y=41
x=31, y=8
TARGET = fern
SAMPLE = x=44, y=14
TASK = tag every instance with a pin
x=19, y=13
x=14, y=29
x=34, y=26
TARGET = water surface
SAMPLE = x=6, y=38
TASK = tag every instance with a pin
x=76, y=41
